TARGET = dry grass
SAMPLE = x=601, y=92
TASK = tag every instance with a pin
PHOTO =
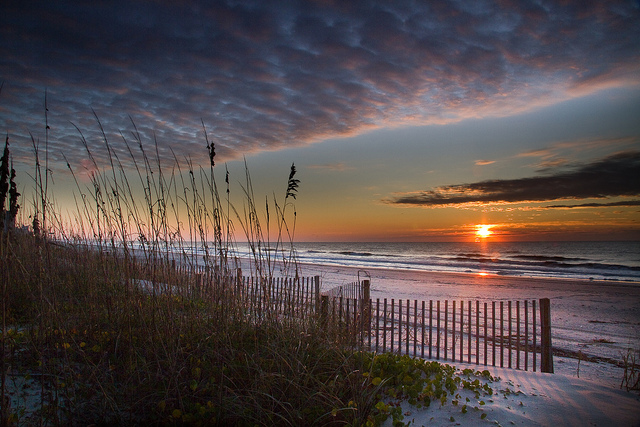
x=102, y=349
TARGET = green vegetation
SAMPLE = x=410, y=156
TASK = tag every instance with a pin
x=109, y=319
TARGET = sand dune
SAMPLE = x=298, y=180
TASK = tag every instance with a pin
x=536, y=399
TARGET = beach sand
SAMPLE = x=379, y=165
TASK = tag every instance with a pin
x=533, y=399
x=599, y=318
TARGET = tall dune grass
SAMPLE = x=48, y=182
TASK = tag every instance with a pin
x=107, y=320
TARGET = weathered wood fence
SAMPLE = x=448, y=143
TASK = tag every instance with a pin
x=289, y=296
x=512, y=334
x=297, y=297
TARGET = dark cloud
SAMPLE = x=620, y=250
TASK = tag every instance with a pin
x=610, y=177
x=265, y=75
x=598, y=205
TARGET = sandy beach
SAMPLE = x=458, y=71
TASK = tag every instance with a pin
x=601, y=319
x=534, y=399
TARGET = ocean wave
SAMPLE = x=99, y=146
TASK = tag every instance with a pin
x=548, y=258
x=554, y=262
x=585, y=260
x=352, y=253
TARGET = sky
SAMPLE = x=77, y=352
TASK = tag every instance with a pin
x=406, y=120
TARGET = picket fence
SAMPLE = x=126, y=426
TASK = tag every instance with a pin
x=490, y=333
x=511, y=334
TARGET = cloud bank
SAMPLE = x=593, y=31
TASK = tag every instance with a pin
x=267, y=75
x=613, y=176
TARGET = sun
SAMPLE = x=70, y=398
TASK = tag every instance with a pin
x=483, y=231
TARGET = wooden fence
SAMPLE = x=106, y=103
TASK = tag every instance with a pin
x=288, y=296
x=512, y=334
x=255, y=296
x=297, y=297
x=496, y=333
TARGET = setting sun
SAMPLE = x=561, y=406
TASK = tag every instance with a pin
x=483, y=230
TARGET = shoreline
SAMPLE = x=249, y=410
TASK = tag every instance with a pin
x=338, y=275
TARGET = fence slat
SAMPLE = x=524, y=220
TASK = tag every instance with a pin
x=469, y=335
x=546, y=363
x=446, y=326
x=502, y=334
x=430, y=326
x=422, y=350
x=477, y=332
x=453, y=332
x=535, y=333
x=518, y=335
x=408, y=333
x=415, y=327
x=485, y=334
x=377, y=322
x=384, y=326
x=493, y=333
x=462, y=331
x=526, y=336
x=393, y=321
x=438, y=332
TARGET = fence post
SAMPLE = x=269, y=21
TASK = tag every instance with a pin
x=199, y=284
x=239, y=281
x=316, y=280
x=365, y=307
x=324, y=311
x=546, y=364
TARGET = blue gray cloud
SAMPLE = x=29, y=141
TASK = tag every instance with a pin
x=613, y=176
x=268, y=75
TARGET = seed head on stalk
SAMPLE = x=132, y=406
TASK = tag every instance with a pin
x=212, y=153
x=292, y=185
x=211, y=148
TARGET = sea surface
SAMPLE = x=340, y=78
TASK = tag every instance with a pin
x=618, y=261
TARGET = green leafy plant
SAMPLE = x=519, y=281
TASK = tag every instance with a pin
x=420, y=382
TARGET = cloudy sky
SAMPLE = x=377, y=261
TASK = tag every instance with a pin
x=406, y=120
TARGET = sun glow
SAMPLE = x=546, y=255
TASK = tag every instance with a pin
x=483, y=231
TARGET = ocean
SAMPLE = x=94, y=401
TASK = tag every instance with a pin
x=616, y=261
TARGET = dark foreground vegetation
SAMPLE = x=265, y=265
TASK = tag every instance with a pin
x=105, y=321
